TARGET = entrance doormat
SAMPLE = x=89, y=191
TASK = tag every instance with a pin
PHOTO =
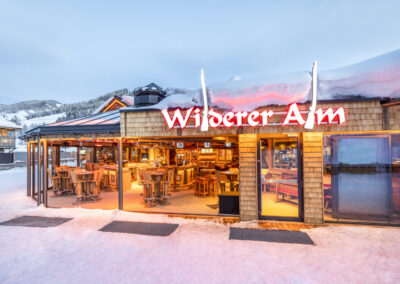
x=277, y=236
x=140, y=228
x=36, y=221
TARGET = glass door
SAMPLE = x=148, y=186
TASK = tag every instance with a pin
x=279, y=173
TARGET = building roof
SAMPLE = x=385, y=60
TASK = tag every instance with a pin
x=4, y=123
x=123, y=101
x=102, y=123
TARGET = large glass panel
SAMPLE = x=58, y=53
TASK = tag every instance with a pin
x=91, y=183
x=279, y=177
x=183, y=176
x=361, y=177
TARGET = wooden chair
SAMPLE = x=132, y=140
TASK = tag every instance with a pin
x=202, y=185
x=166, y=185
x=148, y=188
x=78, y=187
x=55, y=182
x=222, y=180
x=95, y=184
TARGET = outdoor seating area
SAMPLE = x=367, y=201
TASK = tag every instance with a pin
x=157, y=176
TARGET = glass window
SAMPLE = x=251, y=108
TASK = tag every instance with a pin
x=361, y=177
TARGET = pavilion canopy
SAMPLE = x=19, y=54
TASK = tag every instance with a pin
x=102, y=123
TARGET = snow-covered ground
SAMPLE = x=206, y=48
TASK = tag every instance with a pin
x=198, y=251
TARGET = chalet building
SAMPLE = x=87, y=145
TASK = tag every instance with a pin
x=115, y=102
x=268, y=162
x=7, y=141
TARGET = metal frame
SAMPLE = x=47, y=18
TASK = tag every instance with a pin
x=299, y=183
x=120, y=178
x=28, y=168
x=39, y=172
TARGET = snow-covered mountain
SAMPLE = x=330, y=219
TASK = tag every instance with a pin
x=29, y=114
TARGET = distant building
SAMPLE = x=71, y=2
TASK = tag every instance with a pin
x=114, y=103
x=7, y=141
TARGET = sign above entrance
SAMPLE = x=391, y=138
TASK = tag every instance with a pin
x=254, y=118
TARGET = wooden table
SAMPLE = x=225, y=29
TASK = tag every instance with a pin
x=206, y=171
x=157, y=177
x=66, y=181
x=85, y=177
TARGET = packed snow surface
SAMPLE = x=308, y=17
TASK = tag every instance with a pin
x=198, y=251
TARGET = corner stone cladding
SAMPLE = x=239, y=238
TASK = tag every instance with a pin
x=248, y=177
x=393, y=117
x=313, y=194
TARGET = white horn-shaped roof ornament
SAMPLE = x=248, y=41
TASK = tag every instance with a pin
x=204, y=122
x=311, y=115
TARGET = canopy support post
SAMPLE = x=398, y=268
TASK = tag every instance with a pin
x=45, y=172
x=28, y=170
x=120, y=179
x=39, y=170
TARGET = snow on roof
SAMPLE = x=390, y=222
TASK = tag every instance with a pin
x=8, y=124
x=103, y=105
x=128, y=100
x=109, y=117
x=244, y=94
x=375, y=77
x=249, y=94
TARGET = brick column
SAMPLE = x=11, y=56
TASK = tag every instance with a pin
x=248, y=177
x=313, y=177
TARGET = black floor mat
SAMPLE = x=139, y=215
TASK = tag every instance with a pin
x=35, y=221
x=141, y=228
x=291, y=237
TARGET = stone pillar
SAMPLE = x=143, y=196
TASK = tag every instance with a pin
x=313, y=192
x=248, y=177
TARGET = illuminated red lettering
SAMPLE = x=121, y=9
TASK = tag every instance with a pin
x=196, y=116
x=251, y=120
x=265, y=115
x=293, y=115
x=215, y=119
x=177, y=117
x=329, y=115
x=227, y=120
x=239, y=117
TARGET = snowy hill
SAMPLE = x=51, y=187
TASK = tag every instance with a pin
x=29, y=114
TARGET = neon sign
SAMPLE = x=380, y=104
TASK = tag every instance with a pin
x=254, y=118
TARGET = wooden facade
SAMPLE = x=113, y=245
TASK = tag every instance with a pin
x=362, y=116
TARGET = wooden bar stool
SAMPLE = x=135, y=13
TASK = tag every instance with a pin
x=202, y=186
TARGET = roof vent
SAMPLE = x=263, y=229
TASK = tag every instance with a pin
x=148, y=95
